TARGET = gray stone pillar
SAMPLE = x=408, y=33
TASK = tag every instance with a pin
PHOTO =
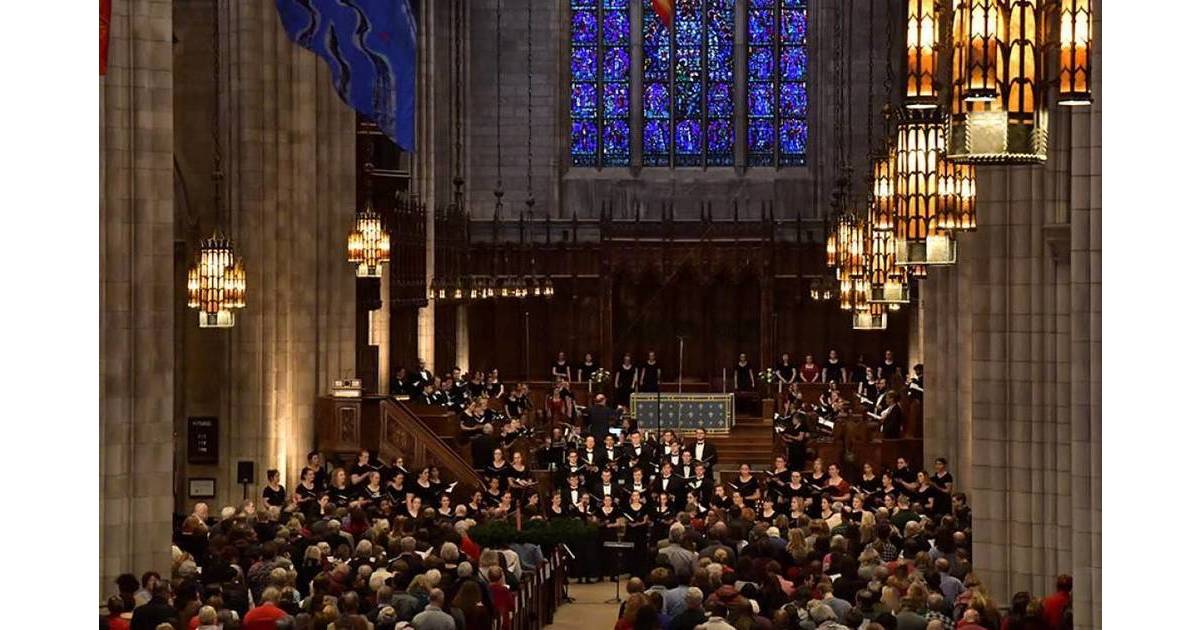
x=136, y=315
x=290, y=149
x=1012, y=345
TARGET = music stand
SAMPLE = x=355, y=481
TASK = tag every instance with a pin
x=619, y=546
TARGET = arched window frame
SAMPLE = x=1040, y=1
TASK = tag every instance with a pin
x=725, y=85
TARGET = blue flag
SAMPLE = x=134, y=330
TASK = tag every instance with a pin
x=371, y=48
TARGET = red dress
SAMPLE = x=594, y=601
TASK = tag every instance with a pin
x=810, y=373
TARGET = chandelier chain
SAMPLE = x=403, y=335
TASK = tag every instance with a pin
x=529, y=104
x=218, y=174
x=499, y=179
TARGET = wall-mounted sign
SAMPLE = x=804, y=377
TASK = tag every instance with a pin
x=202, y=445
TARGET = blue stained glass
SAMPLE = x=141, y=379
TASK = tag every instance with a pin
x=761, y=62
x=720, y=136
x=720, y=28
x=584, y=137
x=762, y=100
x=583, y=64
x=616, y=100
x=720, y=63
x=687, y=100
x=688, y=30
x=760, y=135
x=727, y=5
x=687, y=64
x=793, y=100
x=583, y=100
x=656, y=65
x=584, y=28
x=794, y=25
x=795, y=3
x=656, y=100
x=763, y=4
x=793, y=136
x=793, y=63
x=687, y=136
x=616, y=27
x=762, y=27
x=656, y=136
x=720, y=100
x=616, y=64
x=616, y=142
x=615, y=4
x=654, y=32
x=582, y=4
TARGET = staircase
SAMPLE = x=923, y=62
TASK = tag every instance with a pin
x=402, y=432
x=750, y=441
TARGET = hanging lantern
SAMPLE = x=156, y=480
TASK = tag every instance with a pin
x=883, y=189
x=977, y=26
x=852, y=246
x=216, y=283
x=831, y=247
x=369, y=245
x=820, y=289
x=1011, y=128
x=547, y=287
x=921, y=47
x=872, y=318
x=956, y=189
x=918, y=272
x=919, y=146
x=459, y=291
x=888, y=281
x=1075, y=59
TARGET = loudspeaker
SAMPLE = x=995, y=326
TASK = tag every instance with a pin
x=245, y=472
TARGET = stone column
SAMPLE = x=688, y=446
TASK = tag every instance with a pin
x=424, y=182
x=1012, y=344
x=291, y=185
x=136, y=315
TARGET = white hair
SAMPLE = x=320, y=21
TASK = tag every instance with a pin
x=228, y=512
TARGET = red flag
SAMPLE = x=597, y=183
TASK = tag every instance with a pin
x=665, y=9
x=105, y=18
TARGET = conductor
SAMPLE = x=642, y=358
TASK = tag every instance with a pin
x=600, y=417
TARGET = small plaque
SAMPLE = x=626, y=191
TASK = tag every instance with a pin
x=202, y=488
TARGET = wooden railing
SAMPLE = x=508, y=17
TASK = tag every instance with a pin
x=538, y=596
x=401, y=432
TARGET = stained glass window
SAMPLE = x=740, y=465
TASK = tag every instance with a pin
x=688, y=83
x=776, y=82
x=600, y=82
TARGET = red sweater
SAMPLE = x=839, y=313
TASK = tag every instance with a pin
x=263, y=617
x=1054, y=606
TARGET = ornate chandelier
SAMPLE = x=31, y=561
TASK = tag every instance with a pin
x=883, y=192
x=921, y=46
x=369, y=245
x=874, y=317
x=888, y=281
x=919, y=154
x=956, y=192
x=997, y=109
x=1075, y=52
x=217, y=283
x=820, y=289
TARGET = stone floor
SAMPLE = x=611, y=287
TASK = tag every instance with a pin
x=589, y=610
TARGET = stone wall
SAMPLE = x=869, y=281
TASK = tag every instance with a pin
x=291, y=187
x=136, y=309
x=1011, y=344
x=562, y=190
